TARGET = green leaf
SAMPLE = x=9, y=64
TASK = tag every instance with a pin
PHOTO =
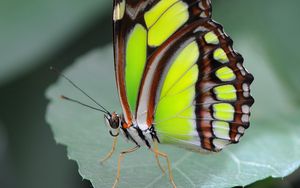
x=31, y=31
x=269, y=148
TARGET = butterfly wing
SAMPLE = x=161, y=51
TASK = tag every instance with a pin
x=204, y=97
x=195, y=90
x=130, y=51
x=176, y=70
x=140, y=28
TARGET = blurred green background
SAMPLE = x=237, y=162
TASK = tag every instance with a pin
x=37, y=34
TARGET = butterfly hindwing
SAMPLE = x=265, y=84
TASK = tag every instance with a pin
x=205, y=101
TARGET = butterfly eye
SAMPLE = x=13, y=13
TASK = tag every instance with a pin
x=114, y=122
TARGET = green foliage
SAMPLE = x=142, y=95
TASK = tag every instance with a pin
x=269, y=148
x=33, y=30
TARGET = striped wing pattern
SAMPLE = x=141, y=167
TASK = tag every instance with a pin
x=186, y=80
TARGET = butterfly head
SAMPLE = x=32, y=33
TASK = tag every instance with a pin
x=113, y=122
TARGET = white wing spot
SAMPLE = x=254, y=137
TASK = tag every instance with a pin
x=119, y=11
x=246, y=109
x=246, y=94
x=237, y=138
x=241, y=130
x=245, y=87
x=245, y=118
x=201, y=6
x=241, y=68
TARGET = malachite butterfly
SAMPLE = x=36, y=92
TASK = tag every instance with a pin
x=178, y=77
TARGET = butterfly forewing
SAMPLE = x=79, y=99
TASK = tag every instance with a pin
x=176, y=70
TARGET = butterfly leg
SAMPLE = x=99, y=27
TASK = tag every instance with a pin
x=169, y=165
x=121, y=157
x=156, y=157
x=109, y=154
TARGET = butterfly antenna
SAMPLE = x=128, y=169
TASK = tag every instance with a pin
x=78, y=102
x=83, y=92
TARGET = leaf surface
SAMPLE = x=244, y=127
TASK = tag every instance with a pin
x=270, y=147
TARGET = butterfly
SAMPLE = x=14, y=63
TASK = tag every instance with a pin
x=179, y=80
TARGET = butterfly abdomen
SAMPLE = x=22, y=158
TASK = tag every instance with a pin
x=140, y=137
